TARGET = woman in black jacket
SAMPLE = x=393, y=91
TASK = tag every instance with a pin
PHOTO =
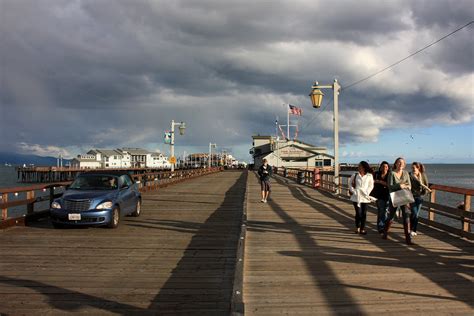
x=380, y=192
x=265, y=172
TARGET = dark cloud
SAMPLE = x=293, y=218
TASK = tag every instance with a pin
x=444, y=14
x=114, y=73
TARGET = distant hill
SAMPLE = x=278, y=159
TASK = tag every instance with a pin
x=18, y=160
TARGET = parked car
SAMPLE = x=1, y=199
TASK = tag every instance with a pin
x=97, y=199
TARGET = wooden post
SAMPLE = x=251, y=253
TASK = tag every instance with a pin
x=339, y=184
x=4, y=210
x=51, y=195
x=466, y=226
x=431, y=214
x=30, y=207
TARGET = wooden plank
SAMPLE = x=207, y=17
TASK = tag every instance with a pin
x=179, y=256
x=448, y=211
x=237, y=302
x=450, y=189
x=3, y=207
x=302, y=257
x=466, y=226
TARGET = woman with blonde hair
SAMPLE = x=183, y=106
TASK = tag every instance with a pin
x=398, y=179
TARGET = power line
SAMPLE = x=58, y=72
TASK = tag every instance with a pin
x=388, y=67
x=324, y=108
x=407, y=57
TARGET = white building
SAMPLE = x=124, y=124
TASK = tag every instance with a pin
x=139, y=158
x=289, y=153
x=85, y=162
x=113, y=159
x=120, y=159
x=157, y=160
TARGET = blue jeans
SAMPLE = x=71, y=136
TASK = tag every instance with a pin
x=391, y=214
x=415, y=210
x=382, y=213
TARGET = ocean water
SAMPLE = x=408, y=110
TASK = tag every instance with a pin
x=8, y=179
x=458, y=175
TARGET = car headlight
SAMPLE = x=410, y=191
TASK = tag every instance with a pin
x=104, y=205
x=55, y=205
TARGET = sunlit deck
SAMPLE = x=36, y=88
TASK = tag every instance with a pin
x=178, y=257
x=302, y=256
x=181, y=257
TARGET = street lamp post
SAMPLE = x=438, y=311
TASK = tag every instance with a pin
x=211, y=145
x=182, y=127
x=316, y=96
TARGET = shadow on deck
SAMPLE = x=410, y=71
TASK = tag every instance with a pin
x=320, y=265
x=178, y=258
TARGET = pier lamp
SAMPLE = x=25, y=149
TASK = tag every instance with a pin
x=316, y=96
x=211, y=145
x=182, y=127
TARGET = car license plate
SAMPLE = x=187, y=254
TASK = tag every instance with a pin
x=74, y=217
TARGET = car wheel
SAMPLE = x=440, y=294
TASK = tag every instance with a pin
x=115, y=220
x=138, y=209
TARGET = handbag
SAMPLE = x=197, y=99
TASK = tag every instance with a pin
x=401, y=197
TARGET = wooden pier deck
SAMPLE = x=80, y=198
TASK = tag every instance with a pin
x=302, y=257
x=177, y=258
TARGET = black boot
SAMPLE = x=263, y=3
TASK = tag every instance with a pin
x=407, y=233
x=386, y=229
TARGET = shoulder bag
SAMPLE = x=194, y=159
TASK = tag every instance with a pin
x=401, y=197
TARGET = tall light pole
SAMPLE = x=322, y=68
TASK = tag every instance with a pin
x=182, y=127
x=316, y=96
x=211, y=145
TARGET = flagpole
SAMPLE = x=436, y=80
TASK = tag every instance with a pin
x=288, y=123
x=276, y=126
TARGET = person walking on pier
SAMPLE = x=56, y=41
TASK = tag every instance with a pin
x=419, y=187
x=380, y=192
x=362, y=184
x=265, y=172
x=398, y=179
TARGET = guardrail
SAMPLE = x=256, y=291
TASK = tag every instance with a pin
x=324, y=180
x=155, y=180
x=30, y=196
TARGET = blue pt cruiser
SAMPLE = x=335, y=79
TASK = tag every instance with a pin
x=97, y=199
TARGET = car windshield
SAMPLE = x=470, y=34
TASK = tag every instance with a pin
x=94, y=182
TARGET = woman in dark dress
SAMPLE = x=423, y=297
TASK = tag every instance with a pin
x=380, y=192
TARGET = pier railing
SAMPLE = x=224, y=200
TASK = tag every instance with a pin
x=62, y=174
x=324, y=180
x=36, y=196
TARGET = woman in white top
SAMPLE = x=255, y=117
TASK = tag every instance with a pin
x=361, y=184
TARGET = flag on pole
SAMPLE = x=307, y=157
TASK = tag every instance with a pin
x=295, y=110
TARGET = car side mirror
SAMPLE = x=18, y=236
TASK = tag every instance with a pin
x=124, y=186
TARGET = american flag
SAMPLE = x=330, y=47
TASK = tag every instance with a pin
x=295, y=110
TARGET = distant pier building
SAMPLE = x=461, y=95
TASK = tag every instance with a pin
x=289, y=153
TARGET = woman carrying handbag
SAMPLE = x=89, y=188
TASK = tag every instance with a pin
x=362, y=184
x=399, y=186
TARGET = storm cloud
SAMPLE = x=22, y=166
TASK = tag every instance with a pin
x=80, y=74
